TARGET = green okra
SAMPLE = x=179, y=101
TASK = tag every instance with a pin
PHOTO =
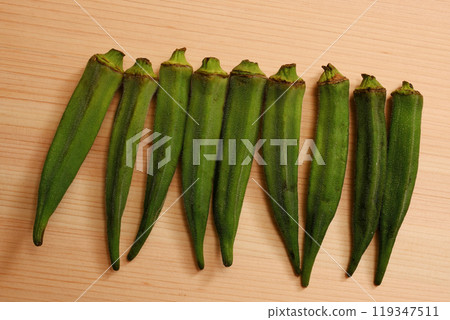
x=139, y=86
x=208, y=93
x=326, y=181
x=401, y=169
x=370, y=166
x=170, y=118
x=281, y=130
x=242, y=108
x=76, y=133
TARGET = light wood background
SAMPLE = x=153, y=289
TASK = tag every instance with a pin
x=44, y=46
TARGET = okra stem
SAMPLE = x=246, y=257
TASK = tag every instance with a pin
x=281, y=123
x=326, y=181
x=370, y=167
x=76, y=133
x=139, y=87
x=401, y=169
x=243, y=106
x=208, y=92
x=174, y=76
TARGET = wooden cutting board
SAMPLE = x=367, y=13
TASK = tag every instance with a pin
x=44, y=47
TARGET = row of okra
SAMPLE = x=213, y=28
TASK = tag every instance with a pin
x=242, y=106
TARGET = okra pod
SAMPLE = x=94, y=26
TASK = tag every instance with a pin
x=243, y=106
x=401, y=169
x=208, y=94
x=370, y=166
x=326, y=181
x=170, y=118
x=281, y=130
x=76, y=133
x=139, y=86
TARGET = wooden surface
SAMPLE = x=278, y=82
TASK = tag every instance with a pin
x=44, y=46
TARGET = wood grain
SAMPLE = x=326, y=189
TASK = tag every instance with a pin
x=44, y=46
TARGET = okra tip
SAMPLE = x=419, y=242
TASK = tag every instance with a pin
x=381, y=270
x=133, y=252
x=369, y=82
x=351, y=268
x=201, y=264
x=178, y=57
x=226, y=249
x=37, y=242
x=304, y=279
x=113, y=59
x=116, y=265
x=141, y=67
x=247, y=67
x=199, y=255
x=210, y=66
x=406, y=89
x=331, y=75
x=307, y=266
x=287, y=73
x=38, y=231
x=227, y=262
